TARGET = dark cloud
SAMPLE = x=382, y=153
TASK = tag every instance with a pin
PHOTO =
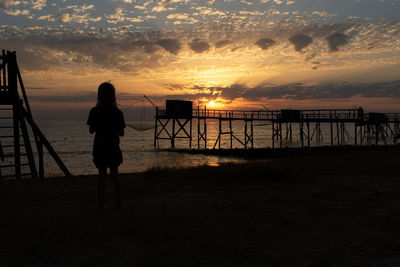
x=83, y=97
x=297, y=91
x=336, y=40
x=310, y=56
x=300, y=41
x=171, y=45
x=133, y=53
x=265, y=43
x=199, y=46
x=38, y=88
x=147, y=47
x=222, y=43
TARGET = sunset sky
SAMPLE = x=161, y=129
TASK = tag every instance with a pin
x=238, y=53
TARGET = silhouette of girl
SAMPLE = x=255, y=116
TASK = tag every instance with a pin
x=107, y=122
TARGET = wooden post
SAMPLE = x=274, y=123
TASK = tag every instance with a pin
x=252, y=133
x=220, y=132
x=280, y=134
x=17, y=152
x=205, y=127
x=231, y=131
x=190, y=140
x=273, y=134
x=198, y=127
x=44, y=141
x=301, y=134
x=13, y=89
x=245, y=133
x=28, y=148
x=308, y=134
x=337, y=132
x=155, y=128
x=173, y=134
x=205, y=133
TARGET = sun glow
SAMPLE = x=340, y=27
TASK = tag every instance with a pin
x=212, y=104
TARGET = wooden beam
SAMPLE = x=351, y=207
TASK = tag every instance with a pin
x=44, y=141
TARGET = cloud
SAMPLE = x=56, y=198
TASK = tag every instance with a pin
x=262, y=92
x=336, y=40
x=265, y=43
x=178, y=16
x=299, y=91
x=222, y=43
x=171, y=45
x=7, y=3
x=82, y=97
x=16, y=12
x=310, y=56
x=199, y=46
x=39, y=4
x=118, y=16
x=64, y=18
x=300, y=41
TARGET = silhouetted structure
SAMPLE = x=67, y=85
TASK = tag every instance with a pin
x=179, y=113
x=16, y=113
x=368, y=128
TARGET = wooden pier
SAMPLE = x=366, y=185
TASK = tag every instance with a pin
x=345, y=126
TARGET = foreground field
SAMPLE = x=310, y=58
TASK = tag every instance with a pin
x=322, y=209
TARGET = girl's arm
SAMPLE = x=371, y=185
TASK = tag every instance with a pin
x=92, y=129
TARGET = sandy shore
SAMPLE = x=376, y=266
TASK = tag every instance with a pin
x=319, y=209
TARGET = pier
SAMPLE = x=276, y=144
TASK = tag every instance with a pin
x=351, y=126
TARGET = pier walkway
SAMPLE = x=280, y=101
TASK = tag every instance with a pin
x=345, y=125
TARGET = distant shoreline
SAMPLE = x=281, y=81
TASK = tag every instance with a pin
x=262, y=153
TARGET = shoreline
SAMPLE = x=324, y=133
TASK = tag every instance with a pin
x=259, y=153
x=253, y=155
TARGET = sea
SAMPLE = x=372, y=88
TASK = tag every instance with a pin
x=73, y=143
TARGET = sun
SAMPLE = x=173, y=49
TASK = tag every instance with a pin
x=212, y=104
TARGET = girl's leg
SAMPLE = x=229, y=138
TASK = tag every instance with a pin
x=117, y=186
x=101, y=188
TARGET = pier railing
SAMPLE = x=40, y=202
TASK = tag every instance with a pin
x=318, y=115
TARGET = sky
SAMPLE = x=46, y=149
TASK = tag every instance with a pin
x=226, y=54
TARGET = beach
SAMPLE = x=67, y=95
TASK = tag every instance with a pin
x=322, y=208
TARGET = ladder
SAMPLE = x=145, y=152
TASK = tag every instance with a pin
x=16, y=153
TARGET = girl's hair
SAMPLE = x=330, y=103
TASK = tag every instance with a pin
x=106, y=96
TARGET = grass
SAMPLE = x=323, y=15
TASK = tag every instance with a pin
x=321, y=209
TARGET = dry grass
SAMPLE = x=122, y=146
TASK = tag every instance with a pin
x=325, y=209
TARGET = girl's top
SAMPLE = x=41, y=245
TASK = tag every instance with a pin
x=107, y=124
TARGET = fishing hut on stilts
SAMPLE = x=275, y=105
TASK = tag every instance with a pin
x=17, y=156
x=179, y=114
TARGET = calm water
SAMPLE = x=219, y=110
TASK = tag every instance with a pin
x=73, y=144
